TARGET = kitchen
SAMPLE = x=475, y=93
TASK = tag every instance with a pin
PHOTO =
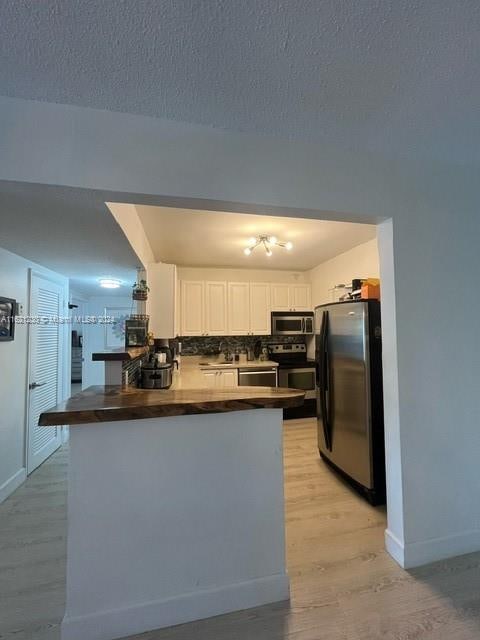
x=240, y=341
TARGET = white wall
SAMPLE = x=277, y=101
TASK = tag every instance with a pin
x=360, y=262
x=434, y=208
x=94, y=335
x=241, y=275
x=14, y=272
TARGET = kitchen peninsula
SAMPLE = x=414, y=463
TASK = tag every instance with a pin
x=175, y=507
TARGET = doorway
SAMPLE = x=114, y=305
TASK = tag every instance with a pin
x=48, y=352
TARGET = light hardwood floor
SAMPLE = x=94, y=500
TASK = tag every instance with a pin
x=343, y=584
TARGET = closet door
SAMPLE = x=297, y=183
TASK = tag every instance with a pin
x=47, y=346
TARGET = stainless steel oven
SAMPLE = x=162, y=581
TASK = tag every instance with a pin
x=298, y=378
x=292, y=323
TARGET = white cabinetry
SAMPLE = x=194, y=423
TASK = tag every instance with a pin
x=280, y=297
x=260, y=307
x=248, y=308
x=162, y=299
x=215, y=322
x=192, y=311
x=220, y=378
x=291, y=297
x=239, y=308
x=217, y=308
x=204, y=308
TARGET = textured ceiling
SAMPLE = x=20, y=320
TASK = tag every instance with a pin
x=69, y=231
x=217, y=239
x=393, y=76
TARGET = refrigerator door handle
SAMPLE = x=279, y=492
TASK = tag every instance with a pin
x=323, y=382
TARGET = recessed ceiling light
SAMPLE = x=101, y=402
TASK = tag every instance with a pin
x=109, y=283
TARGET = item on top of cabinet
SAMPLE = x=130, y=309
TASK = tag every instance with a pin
x=370, y=289
x=250, y=354
x=264, y=354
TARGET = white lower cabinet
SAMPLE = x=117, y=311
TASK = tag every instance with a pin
x=220, y=378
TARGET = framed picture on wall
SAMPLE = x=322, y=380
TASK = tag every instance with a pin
x=115, y=332
x=7, y=319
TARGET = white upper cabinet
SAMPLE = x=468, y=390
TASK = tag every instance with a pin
x=192, y=307
x=260, y=306
x=291, y=297
x=216, y=308
x=248, y=308
x=280, y=297
x=300, y=295
x=162, y=302
x=238, y=308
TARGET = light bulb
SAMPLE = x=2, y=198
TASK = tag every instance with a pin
x=273, y=240
x=269, y=253
x=288, y=246
x=247, y=251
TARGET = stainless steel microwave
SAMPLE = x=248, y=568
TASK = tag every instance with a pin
x=291, y=323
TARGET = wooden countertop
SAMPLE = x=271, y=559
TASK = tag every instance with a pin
x=112, y=403
x=120, y=355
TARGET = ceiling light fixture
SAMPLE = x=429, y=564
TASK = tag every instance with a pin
x=267, y=242
x=109, y=283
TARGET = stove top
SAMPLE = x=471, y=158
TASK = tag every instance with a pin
x=289, y=356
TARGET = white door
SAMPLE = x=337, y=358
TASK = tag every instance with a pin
x=215, y=308
x=238, y=308
x=192, y=307
x=300, y=297
x=280, y=297
x=260, y=319
x=47, y=347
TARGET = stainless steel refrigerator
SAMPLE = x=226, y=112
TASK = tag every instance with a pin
x=348, y=352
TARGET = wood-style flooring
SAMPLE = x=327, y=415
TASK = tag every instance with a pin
x=343, y=584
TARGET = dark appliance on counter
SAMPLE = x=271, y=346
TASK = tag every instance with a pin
x=348, y=347
x=155, y=374
x=296, y=371
x=136, y=330
x=292, y=323
x=257, y=377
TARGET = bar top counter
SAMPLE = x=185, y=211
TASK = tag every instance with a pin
x=114, y=403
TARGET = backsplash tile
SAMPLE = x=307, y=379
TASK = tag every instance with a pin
x=208, y=345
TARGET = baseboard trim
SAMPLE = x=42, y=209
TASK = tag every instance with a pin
x=416, y=554
x=107, y=625
x=458, y=544
x=8, y=487
x=395, y=548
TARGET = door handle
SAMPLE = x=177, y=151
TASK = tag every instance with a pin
x=35, y=385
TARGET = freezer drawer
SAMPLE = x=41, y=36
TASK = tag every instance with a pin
x=266, y=377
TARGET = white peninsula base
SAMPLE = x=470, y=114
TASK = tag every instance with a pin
x=172, y=520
